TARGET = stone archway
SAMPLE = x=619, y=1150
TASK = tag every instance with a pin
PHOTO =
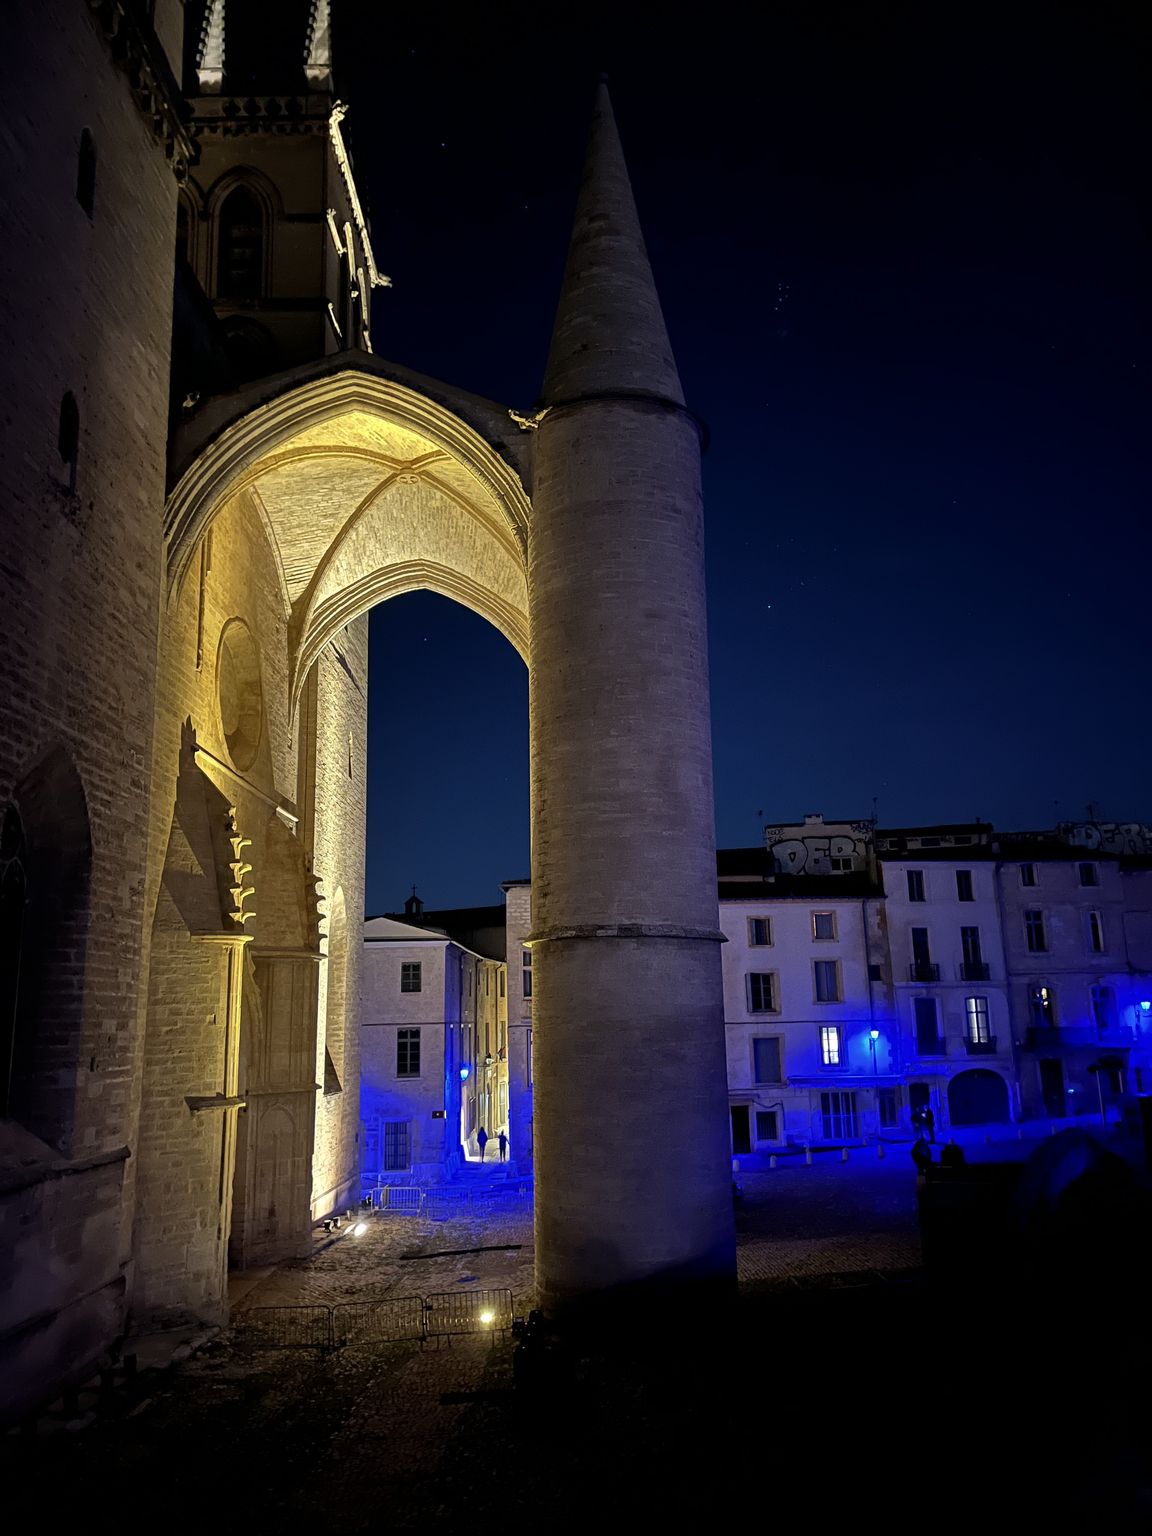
x=978, y=1097
x=291, y=520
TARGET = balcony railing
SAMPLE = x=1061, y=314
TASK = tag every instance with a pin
x=937, y=1047
x=923, y=970
x=981, y=1047
x=974, y=970
x=1052, y=1037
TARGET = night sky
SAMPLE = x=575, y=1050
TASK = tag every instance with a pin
x=903, y=255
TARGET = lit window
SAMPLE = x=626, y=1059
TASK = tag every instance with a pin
x=1027, y=874
x=976, y=1014
x=826, y=976
x=526, y=970
x=1089, y=874
x=766, y=1059
x=410, y=976
x=964, y=885
x=1096, y=933
x=759, y=931
x=761, y=992
x=823, y=925
x=1034, y=935
x=915, y=885
x=407, y=1053
x=830, y=1044
x=1042, y=1006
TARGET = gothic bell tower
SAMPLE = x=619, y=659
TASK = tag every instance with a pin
x=274, y=260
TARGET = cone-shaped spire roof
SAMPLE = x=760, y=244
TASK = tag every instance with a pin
x=609, y=334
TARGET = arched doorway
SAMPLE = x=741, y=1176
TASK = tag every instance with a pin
x=978, y=1097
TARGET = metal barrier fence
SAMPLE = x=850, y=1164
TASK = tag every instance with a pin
x=411, y=1199
x=378, y=1322
x=452, y=1312
x=395, y=1320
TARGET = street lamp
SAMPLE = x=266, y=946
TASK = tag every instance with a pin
x=873, y=1036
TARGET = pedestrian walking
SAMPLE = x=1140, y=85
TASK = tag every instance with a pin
x=930, y=1122
x=482, y=1141
x=503, y=1139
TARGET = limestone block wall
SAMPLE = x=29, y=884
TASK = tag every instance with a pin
x=333, y=807
x=518, y=925
x=223, y=695
x=85, y=311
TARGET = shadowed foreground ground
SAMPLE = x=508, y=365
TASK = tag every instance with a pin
x=859, y=1394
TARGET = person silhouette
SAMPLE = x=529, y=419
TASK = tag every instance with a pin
x=503, y=1140
x=482, y=1141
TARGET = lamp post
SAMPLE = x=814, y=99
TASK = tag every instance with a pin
x=873, y=1036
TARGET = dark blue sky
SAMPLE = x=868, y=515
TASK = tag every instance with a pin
x=903, y=255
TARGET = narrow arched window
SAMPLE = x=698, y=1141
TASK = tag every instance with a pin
x=240, y=272
x=86, y=173
x=13, y=899
x=69, y=436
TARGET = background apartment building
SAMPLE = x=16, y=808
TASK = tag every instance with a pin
x=433, y=1051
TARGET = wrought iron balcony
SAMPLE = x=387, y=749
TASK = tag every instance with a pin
x=981, y=1047
x=923, y=970
x=974, y=970
x=1052, y=1037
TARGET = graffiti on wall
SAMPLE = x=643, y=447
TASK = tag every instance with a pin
x=1108, y=836
x=822, y=853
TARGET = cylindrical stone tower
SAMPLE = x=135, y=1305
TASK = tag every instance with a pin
x=632, y=1151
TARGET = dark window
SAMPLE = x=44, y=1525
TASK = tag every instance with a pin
x=841, y=865
x=766, y=1059
x=826, y=978
x=838, y=1113
x=759, y=931
x=927, y=1026
x=761, y=992
x=240, y=270
x=1104, y=1007
x=964, y=885
x=915, y=885
x=823, y=925
x=407, y=1053
x=921, y=949
x=1034, y=935
x=875, y=971
x=970, y=939
x=86, y=173
x=410, y=976
x=1089, y=874
x=397, y=1153
x=767, y=1125
x=68, y=438
x=1095, y=933
x=888, y=1103
x=1027, y=874
x=526, y=971
x=501, y=983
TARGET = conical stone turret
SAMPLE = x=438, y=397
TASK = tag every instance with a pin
x=630, y=1118
x=610, y=333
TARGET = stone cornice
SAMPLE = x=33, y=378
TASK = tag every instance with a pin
x=154, y=87
x=291, y=113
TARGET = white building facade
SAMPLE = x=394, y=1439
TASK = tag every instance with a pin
x=433, y=1053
